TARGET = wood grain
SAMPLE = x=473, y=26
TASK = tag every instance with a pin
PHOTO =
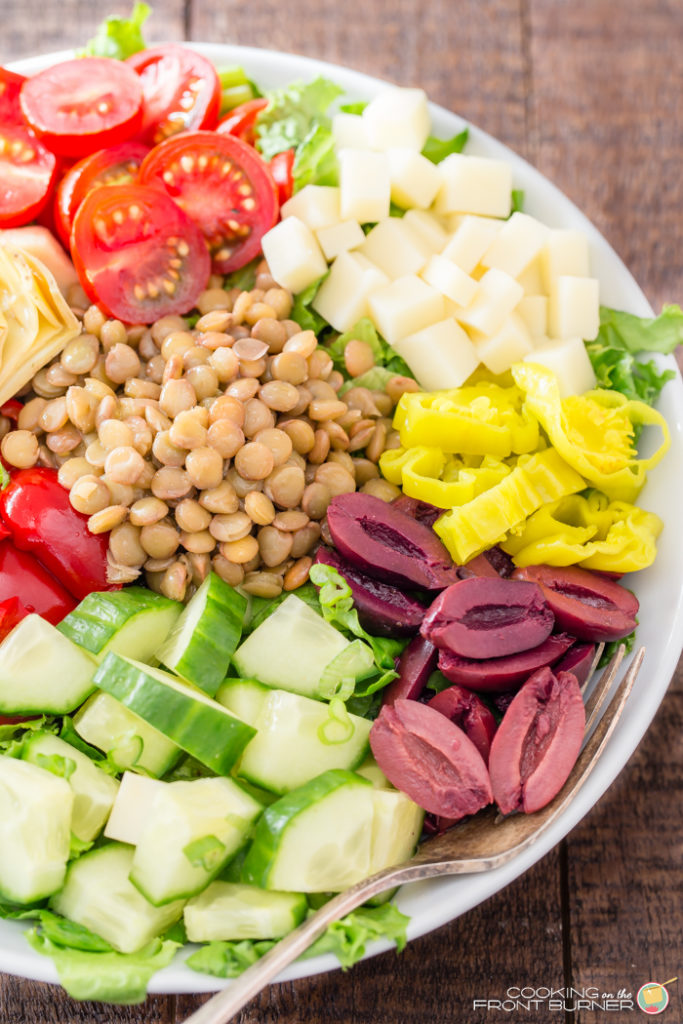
x=592, y=93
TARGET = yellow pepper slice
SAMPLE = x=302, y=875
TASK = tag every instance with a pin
x=593, y=432
x=484, y=521
x=591, y=531
x=425, y=473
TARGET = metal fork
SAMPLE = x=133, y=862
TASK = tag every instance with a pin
x=484, y=842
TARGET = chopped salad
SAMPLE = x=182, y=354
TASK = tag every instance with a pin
x=320, y=473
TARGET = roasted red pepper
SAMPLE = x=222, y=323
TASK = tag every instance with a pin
x=25, y=580
x=11, y=409
x=12, y=612
x=36, y=510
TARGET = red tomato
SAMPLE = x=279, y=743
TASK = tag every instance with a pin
x=281, y=167
x=27, y=174
x=79, y=106
x=116, y=166
x=241, y=121
x=10, y=87
x=223, y=185
x=181, y=91
x=138, y=255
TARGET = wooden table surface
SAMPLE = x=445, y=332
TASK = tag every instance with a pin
x=591, y=92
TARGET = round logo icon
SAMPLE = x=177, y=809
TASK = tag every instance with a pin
x=652, y=997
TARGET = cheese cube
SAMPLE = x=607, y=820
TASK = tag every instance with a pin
x=533, y=310
x=496, y=297
x=570, y=363
x=395, y=248
x=440, y=356
x=336, y=238
x=397, y=117
x=565, y=252
x=574, y=308
x=405, y=306
x=364, y=185
x=343, y=296
x=474, y=184
x=507, y=346
x=518, y=242
x=531, y=279
x=294, y=257
x=471, y=239
x=450, y=280
x=349, y=131
x=415, y=180
x=316, y=205
x=428, y=227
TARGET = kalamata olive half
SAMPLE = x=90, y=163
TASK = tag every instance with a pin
x=590, y=606
x=537, y=743
x=578, y=660
x=386, y=544
x=482, y=617
x=465, y=709
x=421, y=510
x=415, y=666
x=496, y=675
x=382, y=609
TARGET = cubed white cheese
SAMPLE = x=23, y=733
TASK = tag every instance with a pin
x=415, y=180
x=531, y=279
x=507, y=346
x=395, y=248
x=364, y=184
x=349, y=131
x=474, y=184
x=533, y=310
x=343, y=296
x=565, y=252
x=294, y=257
x=517, y=243
x=405, y=306
x=496, y=297
x=341, y=237
x=316, y=205
x=470, y=240
x=397, y=117
x=450, y=280
x=569, y=361
x=441, y=355
x=574, y=308
x=428, y=227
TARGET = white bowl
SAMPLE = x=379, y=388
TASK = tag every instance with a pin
x=659, y=589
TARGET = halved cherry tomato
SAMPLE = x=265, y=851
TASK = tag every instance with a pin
x=223, y=185
x=241, y=122
x=10, y=87
x=181, y=91
x=281, y=167
x=116, y=166
x=138, y=255
x=79, y=106
x=27, y=175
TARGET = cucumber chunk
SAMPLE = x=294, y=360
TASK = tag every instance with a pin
x=131, y=621
x=42, y=671
x=244, y=697
x=203, y=640
x=316, y=838
x=98, y=894
x=35, y=833
x=226, y=911
x=192, y=830
x=180, y=712
x=396, y=827
x=132, y=808
x=127, y=739
x=94, y=791
x=291, y=649
x=371, y=771
x=296, y=738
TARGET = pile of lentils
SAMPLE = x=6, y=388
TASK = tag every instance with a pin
x=217, y=446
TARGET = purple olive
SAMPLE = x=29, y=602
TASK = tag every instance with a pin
x=382, y=609
x=493, y=562
x=488, y=618
x=386, y=544
x=421, y=510
x=591, y=607
x=496, y=675
x=415, y=666
x=465, y=709
x=578, y=660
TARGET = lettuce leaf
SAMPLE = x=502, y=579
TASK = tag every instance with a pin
x=621, y=338
x=385, y=358
x=315, y=160
x=303, y=315
x=119, y=37
x=292, y=113
x=437, y=150
x=228, y=959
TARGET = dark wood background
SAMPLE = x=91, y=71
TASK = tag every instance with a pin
x=591, y=92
